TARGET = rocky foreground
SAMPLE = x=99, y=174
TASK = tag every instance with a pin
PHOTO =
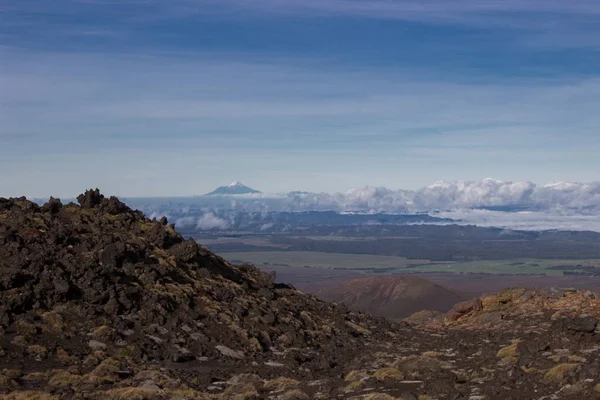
x=98, y=302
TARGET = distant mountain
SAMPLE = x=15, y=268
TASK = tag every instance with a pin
x=234, y=188
x=391, y=296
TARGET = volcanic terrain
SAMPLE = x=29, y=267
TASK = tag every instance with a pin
x=98, y=302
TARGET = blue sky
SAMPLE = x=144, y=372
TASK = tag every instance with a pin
x=148, y=97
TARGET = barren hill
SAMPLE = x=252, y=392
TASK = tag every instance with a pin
x=98, y=302
x=391, y=296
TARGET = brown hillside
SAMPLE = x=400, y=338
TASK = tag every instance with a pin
x=391, y=296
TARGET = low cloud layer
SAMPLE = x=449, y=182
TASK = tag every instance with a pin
x=442, y=195
x=209, y=222
x=489, y=202
x=574, y=198
x=528, y=220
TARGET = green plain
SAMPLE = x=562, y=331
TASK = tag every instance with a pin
x=401, y=264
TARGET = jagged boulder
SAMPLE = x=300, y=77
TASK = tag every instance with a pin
x=464, y=308
x=90, y=199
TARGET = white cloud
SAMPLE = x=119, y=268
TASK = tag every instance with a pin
x=577, y=198
x=487, y=202
x=460, y=194
x=531, y=220
x=209, y=221
x=185, y=222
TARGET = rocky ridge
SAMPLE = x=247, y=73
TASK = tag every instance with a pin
x=99, y=302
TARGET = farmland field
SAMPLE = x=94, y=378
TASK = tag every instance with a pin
x=322, y=260
x=393, y=264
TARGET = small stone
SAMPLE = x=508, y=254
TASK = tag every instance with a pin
x=581, y=324
x=182, y=358
x=408, y=396
x=155, y=339
x=61, y=286
x=96, y=345
x=162, y=330
x=149, y=385
x=182, y=355
x=226, y=351
x=274, y=364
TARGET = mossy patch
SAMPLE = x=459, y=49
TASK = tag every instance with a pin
x=558, y=373
x=36, y=351
x=353, y=376
x=28, y=395
x=293, y=395
x=510, y=351
x=241, y=391
x=385, y=373
x=62, y=379
x=280, y=384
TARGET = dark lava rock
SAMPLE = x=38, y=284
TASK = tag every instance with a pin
x=579, y=324
x=90, y=199
x=52, y=206
x=464, y=308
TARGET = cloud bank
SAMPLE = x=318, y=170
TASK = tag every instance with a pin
x=487, y=202
x=524, y=220
x=209, y=222
x=567, y=198
x=490, y=193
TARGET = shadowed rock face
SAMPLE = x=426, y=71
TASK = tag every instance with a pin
x=391, y=296
x=99, y=302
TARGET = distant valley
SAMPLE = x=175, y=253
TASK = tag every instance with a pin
x=318, y=241
x=332, y=245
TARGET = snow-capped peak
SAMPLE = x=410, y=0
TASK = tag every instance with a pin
x=233, y=189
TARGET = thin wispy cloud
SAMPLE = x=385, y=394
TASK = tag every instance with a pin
x=92, y=89
x=312, y=95
x=570, y=24
x=278, y=110
x=408, y=8
x=541, y=24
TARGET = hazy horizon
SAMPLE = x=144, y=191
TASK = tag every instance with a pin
x=564, y=186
